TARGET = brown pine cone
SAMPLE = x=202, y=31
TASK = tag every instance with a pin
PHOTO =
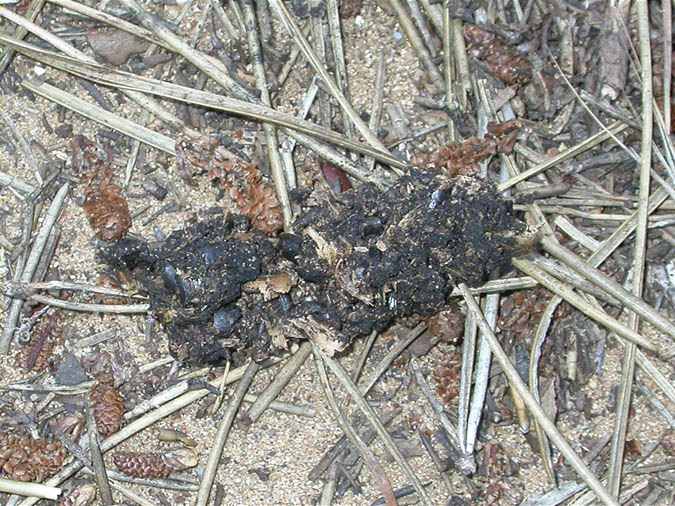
x=23, y=458
x=36, y=355
x=463, y=158
x=154, y=465
x=106, y=208
x=142, y=465
x=107, y=404
x=241, y=181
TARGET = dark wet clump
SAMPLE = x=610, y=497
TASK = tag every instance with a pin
x=223, y=291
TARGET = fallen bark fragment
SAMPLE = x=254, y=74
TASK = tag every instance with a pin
x=224, y=291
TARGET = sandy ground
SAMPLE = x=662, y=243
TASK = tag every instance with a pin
x=268, y=463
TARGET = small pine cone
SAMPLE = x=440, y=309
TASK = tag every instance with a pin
x=154, y=465
x=257, y=200
x=463, y=158
x=108, y=406
x=23, y=458
x=142, y=465
x=106, y=208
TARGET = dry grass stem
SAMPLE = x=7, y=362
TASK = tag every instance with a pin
x=271, y=139
x=628, y=367
x=32, y=13
x=100, y=115
x=613, y=288
x=15, y=305
x=36, y=490
x=306, y=49
x=592, y=141
x=125, y=80
x=568, y=294
x=372, y=417
x=223, y=431
x=417, y=43
x=376, y=471
x=98, y=465
x=282, y=378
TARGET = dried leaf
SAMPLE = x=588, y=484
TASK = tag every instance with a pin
x=336, y=178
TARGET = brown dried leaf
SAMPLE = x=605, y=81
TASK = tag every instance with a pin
x=336, y=178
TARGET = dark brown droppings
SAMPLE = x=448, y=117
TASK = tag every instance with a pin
x=355, y=267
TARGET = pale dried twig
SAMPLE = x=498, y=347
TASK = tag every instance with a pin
x=282, y=378
x=39, y=243
x=223, y=431
x=37, y=490
x=628, y=367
